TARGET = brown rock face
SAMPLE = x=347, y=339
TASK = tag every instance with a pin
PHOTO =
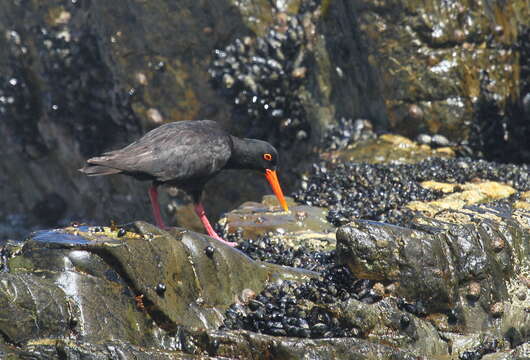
x=438, y=60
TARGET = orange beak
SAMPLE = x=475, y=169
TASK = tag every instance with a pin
x=272, y=178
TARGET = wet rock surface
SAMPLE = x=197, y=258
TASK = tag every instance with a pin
x=302, y=225
x=445, y=65
x=136, y=284
x=431, y=257
x=430, y=265
x=441, y=286
x=454, y=281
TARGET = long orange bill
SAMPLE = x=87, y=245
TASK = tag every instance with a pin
x=272, y=178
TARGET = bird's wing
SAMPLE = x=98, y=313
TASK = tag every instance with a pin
x=173, y=152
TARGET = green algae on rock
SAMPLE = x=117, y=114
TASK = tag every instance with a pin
x=32, y=307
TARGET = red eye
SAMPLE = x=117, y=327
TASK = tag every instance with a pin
x=267, y=157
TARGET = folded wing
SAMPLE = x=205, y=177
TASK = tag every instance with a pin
x=172, y=152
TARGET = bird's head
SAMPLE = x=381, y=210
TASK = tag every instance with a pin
x=262, y=156
x=266, y=156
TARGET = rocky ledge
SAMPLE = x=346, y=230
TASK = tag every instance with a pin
x=446, y=276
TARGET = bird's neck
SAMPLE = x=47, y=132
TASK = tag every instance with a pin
x=240, y=158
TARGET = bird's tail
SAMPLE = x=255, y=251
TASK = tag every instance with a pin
x=97, y=170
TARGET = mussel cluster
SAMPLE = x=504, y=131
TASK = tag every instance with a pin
x=285, y=308
x=349, y=190
x=346, y=132
x=378, y=192
x=262, y=76
x=266, y=249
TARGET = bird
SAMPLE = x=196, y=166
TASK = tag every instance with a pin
x=187, y=154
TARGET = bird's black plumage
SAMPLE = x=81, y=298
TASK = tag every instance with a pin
x=187, y=154
x=184, y=153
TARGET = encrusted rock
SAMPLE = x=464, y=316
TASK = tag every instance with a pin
x=100, y=285
x=378, y=191
x=428, y=263
x=301, y=226
x=473, y=290
x=497, y=309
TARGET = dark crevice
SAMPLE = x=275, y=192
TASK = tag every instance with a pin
x=7, y=340
x=500, y=132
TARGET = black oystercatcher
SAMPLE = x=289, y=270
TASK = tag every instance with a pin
x=187, y=154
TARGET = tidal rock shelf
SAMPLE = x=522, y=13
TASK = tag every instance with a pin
x=450, y=277
x=380, y=192
x=136, y=284
x=455, y=283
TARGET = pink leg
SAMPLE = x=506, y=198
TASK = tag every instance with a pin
x=153, y=195
x=199, y=209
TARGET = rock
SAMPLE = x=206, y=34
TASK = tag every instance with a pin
x=79, y=79
x=352, y=190
x=302, y=226
x=387, y=149
x=57, y=116
x=50, y=209
x=385, y=320
x=94, y=294
x=33, y=307
x=245, y=345
x=447, y=262
x=371, y=251
x=97, y=285
x=427, y=59
x=53, y=348
x=72, y=88
x=463, y=195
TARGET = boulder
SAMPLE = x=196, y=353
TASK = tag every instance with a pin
x=96, y=285
x=469, y=265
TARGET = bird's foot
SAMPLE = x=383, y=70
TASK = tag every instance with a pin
x=229, y=243
x=199, y=210
x=153, y=196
